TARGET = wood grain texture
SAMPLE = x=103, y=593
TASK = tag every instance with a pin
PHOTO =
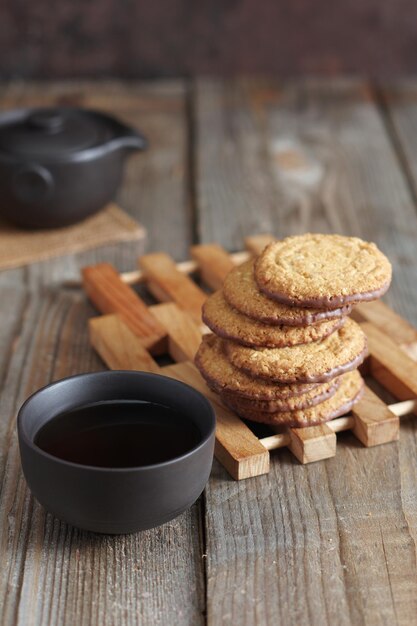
x=395, y=326
x=109, y=294
x=184, y=334
x=374, y=422
x=332, y=542
x=312, y=444
x=390, y=365
x=50, y=573
x=167, y=283
x=118, y=346
x=214, y=263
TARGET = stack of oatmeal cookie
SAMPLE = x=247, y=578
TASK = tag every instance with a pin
x=284, y=350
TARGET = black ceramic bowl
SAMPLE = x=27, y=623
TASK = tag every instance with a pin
x=115, y=500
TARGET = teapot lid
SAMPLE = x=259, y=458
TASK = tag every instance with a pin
x=54, y=133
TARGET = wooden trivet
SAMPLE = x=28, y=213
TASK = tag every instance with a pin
x=130, y=333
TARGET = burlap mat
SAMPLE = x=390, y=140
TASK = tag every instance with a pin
x=20, y=247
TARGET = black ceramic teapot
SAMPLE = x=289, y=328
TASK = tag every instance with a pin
x=60, y=165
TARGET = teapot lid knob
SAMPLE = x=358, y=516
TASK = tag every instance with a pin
x=50, y=121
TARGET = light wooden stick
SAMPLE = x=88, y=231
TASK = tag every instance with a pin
x=404, y=408
x=347, y=422
x=282, y=440
x=185, y=267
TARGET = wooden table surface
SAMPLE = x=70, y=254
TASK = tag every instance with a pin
x=324, y=544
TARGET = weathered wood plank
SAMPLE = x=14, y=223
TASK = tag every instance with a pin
x=399, y=101
x=48, y=568
x=51, y=573
x=400, y=104
x=332, y=542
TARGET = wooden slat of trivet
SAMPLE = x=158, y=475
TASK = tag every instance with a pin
x=184, y=334
x=242, y=453
x=392, y=324
x=256, y=243
x=238, y=449
x=374, y=422
x=110, y=295
x=312, y=443
x=390, y=365
x=371, y=421
x=166, y=283
x=341, y=424
x=136, y=277
x=118, y=346
x=213, y=262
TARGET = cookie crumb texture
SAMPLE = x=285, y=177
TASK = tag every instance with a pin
x=241, y=292
x=316, y=270
x=221, y=375
x=228, y=323
x=320, y=361
x=340, y=403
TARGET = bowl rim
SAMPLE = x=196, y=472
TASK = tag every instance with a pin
x=22, y=436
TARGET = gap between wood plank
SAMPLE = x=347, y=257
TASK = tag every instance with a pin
x=190, y=126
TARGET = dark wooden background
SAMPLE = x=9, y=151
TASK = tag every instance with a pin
x=138, y=38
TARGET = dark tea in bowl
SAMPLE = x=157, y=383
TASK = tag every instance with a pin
x=119, y=434
x=118, y=451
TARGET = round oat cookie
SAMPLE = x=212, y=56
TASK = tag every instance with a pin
x=322, y=271
x=242, y=292
x=340, y=403
x=228, y=323
x=318, y=361
x=318, y=394
x=221, y=375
